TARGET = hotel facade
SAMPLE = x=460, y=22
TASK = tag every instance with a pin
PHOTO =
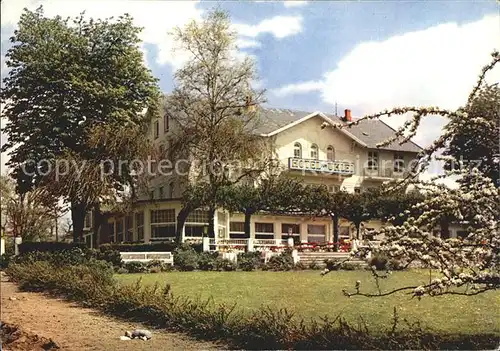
x=346, y=159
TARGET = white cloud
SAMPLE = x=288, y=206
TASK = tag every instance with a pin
x=279, y=26
x=294, y=3
x=435, y=66
x=299, y=88
x=247, y=43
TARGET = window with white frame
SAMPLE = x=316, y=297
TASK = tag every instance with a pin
x=399, y=162
x=330, y=153
x=196, y=224
x=290, y=229
x=139, y=222
x=316, y=233
x=264, y=230
x=297, y=150
x=163, y=224
x=372, y=160
x=237, y=230
x=314, y=151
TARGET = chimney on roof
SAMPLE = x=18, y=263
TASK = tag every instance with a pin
x=347, y=115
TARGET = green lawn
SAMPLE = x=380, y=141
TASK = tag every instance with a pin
x=308, y=294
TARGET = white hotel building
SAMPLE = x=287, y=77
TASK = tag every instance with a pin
x=348, y=158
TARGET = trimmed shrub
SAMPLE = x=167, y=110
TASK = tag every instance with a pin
x=223, y=264
x=49, y=246
x=395, y=265
x=135, y=267
x=332, y=265
x=248, y=261
x=379, y=261
x=5, y=259
x=300, y=266
x=350, y=266
x=142, y=247
x=185, y=258
x=281, y=262
x=314, y=265
x=111, y=256
x=122, y=270
x=207, y=261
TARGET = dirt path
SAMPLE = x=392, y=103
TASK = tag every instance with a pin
x=75, y=328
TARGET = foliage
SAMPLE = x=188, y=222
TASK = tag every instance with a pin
x=226, y=265
x=207, y=261
x=249, y=261
x=29, y=215
x=121, y=270
x=314, y=265
x=5, y=260
x=469, y=263
x=379, y=261
x=274, y=194
x=80, y=77
x=214, y=106
x=266, y=328
x=332, y=265
x=350, y=266
x=49, y=246
x=281, y=262
x=135, y=267
x=470, y=148
x=185, y=258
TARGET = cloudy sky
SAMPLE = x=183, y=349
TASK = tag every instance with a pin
x=362, y=55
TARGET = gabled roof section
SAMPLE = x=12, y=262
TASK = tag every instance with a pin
x=374, y=131
x=367, y=133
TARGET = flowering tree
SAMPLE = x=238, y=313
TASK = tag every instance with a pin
x=468, y=265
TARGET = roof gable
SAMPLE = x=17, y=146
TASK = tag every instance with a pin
x=367, y=133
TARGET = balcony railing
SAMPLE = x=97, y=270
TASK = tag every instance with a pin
x=383, y=173
x=323, y=166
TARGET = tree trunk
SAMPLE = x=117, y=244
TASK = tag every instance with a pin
x=445, y=228
x=78, y=218
x=335, y=220
x=96, y=226
x=246, y=226
x=211, y=223
x=181, y=219
x=358, y=227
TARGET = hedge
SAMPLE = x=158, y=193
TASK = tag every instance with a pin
x=163, y=247
x=49, y=246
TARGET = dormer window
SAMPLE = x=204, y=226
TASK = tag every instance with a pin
x=330, y=153
x=314, y=151
x=297, y=150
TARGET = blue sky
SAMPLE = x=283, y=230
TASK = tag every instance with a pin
x=364, y=55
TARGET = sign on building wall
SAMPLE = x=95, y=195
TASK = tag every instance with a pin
x=338, y=167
